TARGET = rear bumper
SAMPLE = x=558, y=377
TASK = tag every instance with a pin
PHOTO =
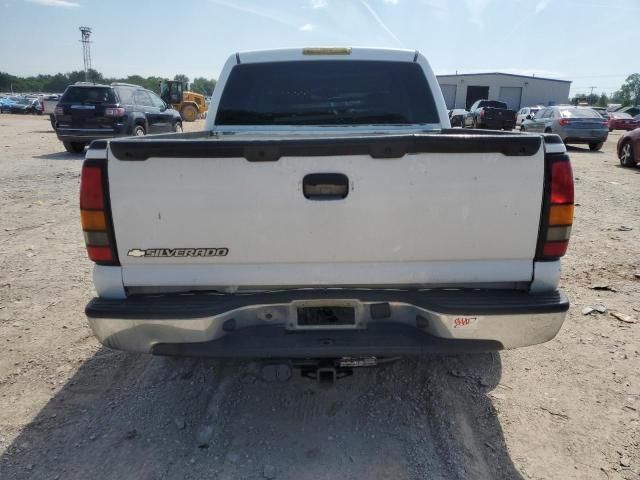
x=388, y=322
x=87, y=135
x=577, y=136
x=498, y=124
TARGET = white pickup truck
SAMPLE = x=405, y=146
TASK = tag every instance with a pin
x=327, y=211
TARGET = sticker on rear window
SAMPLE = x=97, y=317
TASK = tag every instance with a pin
x=178, y=252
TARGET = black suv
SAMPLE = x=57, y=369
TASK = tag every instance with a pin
x=88, y=111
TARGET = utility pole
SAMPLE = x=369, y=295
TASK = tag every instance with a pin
x=592, y=90
x=86, y=50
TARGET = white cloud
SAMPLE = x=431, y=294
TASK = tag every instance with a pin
x=55, y=3
x=541, y=5
x=391, y=2
x=318, y=3
x=307, y=27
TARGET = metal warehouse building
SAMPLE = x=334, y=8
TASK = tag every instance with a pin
x=460, y=91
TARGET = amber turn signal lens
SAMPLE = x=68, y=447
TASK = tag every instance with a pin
x=561, y=215
x=93, y=220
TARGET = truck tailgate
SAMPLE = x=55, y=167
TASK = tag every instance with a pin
x=431, y=209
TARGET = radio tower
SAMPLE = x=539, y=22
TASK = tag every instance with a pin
x=86, y=50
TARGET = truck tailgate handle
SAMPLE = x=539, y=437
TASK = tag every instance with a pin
x=325, y=186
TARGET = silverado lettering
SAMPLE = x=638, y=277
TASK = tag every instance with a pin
x=179, y=252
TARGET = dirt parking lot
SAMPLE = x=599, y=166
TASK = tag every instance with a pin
x=71, y=409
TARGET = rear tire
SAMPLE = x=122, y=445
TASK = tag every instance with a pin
x=138, y=131
x=594, y=147
x=74, y=147
x=53, y=121
x=626, y=155
x=189, y=113
x=177, y=128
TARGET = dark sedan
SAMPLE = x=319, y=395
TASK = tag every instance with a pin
x=629, y=148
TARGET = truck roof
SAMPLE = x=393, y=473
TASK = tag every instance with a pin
x=326, y=53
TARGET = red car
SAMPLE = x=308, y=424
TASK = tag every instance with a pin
x=622, y=121
x=629, y=148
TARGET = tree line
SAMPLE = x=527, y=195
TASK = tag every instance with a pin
x=629, y=94
x=58, y=82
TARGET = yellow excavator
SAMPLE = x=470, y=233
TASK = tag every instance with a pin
x=191, y=105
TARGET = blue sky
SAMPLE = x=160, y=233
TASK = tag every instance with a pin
x=568, y=39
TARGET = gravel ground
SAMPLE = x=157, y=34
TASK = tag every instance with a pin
x=71, y=409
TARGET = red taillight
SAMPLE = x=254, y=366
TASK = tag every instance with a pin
x=557, y=214
x=564, y=121
x=91, y=190
x=555, y=249
x=100, y=254
x=95, y=214
x=561, y=182
x=59, y=111
x=114, y=112
x=481, y=113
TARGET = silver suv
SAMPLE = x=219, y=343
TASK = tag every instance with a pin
x=573, y=124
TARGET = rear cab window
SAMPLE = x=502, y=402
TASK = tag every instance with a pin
x=89, y=95
x=327, y=93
